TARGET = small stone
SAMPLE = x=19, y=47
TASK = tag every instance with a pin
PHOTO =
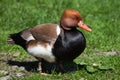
x=3, y=53
x=22, y=68
x=95, y=65
x=111, y=53
x=19, y=74
x=44, y=74
x=4, y=72
x=16, y=54
x=5, y=77
x=14, y=67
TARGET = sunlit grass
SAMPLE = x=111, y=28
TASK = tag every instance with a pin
x=103, y=16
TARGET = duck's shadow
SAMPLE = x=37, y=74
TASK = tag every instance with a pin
x=46, y=67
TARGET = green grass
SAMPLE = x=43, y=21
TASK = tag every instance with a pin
x=103, y=16
x=83, y=74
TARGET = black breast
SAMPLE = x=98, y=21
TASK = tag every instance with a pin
x=69, y=45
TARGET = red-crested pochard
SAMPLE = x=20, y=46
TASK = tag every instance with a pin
x=54, y=43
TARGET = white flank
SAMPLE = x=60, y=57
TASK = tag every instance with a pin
x=58, y=30
x=30, y=38
x=42, y=52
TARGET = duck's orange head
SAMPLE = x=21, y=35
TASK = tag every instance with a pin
x=72, y=18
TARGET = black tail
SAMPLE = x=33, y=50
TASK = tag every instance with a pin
x=11, y=39
x=16, y=39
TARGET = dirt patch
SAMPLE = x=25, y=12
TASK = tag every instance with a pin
x=11, y=66
x=112, y=52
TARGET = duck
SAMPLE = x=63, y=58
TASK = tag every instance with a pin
x=54, y=43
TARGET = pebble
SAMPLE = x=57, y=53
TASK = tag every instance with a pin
x=14, y=67
x=22, y=68
x=20, y=74
x=4, y=72
x=5, y=77
x=16, y=54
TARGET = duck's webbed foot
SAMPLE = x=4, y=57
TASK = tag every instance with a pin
x=61, y=67
x=40, y=66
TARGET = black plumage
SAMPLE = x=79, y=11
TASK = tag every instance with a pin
x=69, y=45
